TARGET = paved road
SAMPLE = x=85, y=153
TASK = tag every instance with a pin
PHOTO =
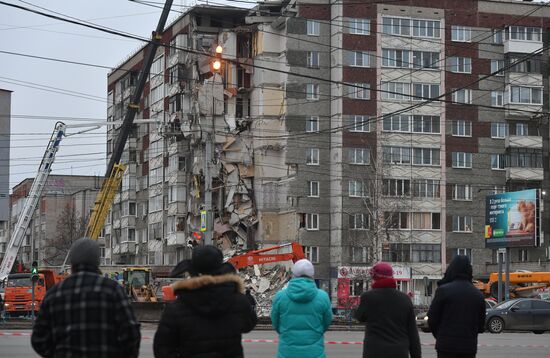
x=507, y=345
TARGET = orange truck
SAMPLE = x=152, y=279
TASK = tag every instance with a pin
x=522, y=284
x=18, y=292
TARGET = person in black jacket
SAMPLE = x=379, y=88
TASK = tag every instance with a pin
x=457, y=312
x=210, y=313
x=389, y=316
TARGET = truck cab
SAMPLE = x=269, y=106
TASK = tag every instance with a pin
x=18, y=293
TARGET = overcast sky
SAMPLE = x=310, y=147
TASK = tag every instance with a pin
x=32, y=34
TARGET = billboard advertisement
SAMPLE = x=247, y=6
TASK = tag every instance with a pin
x=512, y=219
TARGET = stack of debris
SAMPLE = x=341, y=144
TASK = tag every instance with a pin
x=264, y=283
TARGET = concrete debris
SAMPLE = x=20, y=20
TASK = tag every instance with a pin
x=264, y=282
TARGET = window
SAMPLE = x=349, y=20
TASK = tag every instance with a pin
x=396, y=155
x=397, y=253
x=359, y=156
x=497, y=98
x=312, y=253
x=461, y=34
x=312, y=222
x=531, y=64
x=157, y=66
x=359, y=123
x=313, y=59
x=422, y=59
x=426, y=221
x=396, y=26
x=132, y=208
x=395, y=58
x=358, y=222
x=426, y=253
x=461, y=128
x=426, y=188
x=155, y=203
x=397, y=220
x=360, y=59
x=423, y=91
x=357, y=287
x=174, y=104
x=312, y=91
x=462, y=192
x=524, y=158
x=396, y=187
x=357, y=189
x=461, y=64
x=425, y=156
x=425, y=124
x=497, y=65
x=359, y=26
x=312, y=27
x=498, y=38
x=462, y=160
x=359, y=254
x=157, y=93
x=312, y=124
x=523, y=33
x=499, y=189
x=359, y=91
x=522, y=129
x=523, y=255
x=395, y=90
x=464, y=252
x=527, y=95
x=499, y=130
x=497, y=161
x=462, y=223
x=426, y=28
x=155, y=176
x=176, y=74
x=131, y=234
x=312, y=156
x=313, y=189
x=462, y=96
x=396, y=123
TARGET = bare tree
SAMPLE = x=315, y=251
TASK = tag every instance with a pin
x=70, y=227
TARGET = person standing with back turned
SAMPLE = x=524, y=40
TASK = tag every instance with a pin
x=301, y=314
x=389, y=316
x=457, y=312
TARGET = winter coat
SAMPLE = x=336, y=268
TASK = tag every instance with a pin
x=86, y=315
x=206, y=320
x=390, y=324
x=301, y=314
x=457, y=312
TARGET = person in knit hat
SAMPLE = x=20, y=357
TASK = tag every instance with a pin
x=389, y=317
x=301, y=314
x=86, y=314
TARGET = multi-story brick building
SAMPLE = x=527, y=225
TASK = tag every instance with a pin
x=364, y=130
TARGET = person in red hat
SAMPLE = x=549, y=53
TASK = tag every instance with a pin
x=389, y=317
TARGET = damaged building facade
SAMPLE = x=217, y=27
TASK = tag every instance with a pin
x=321, y=137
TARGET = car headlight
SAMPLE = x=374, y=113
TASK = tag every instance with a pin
x=426, y=318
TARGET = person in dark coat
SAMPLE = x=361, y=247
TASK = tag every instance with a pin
x=457, y=312
x=86, y=315
x=389, y=316
x=210, y=312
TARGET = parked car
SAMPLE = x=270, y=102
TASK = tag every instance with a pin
x=422, y=318
x=522, y=314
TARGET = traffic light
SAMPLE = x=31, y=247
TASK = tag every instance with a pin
x=34, y=271
x=217, y=61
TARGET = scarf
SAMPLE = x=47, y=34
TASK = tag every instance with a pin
x=386, y=282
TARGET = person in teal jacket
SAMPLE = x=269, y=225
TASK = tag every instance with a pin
x=301, y=314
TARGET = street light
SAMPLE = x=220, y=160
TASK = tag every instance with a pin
x=217, y=63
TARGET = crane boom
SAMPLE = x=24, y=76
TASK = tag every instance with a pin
x=32, y=199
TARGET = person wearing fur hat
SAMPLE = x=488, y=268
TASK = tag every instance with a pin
x=86, y=314
x=389, y=317
x=301, y=314
x=210, y=313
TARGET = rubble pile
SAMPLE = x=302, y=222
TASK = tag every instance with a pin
x=264, y=283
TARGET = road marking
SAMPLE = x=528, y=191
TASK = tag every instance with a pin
x=483, y=345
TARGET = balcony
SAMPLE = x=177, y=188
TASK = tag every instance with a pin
x=532, y=142
x=518, y=46
x=128, y=247
x=516, y=173
x=179, y=57
x=176, y=238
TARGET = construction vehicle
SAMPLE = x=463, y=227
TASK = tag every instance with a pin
x=522, y=284
x=18, y=292
x=252, y=258
x=137, y=283
x=32, y=200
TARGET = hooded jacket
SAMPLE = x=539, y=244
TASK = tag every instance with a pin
x=206, y=320
x=457, y=312
x=301, y=314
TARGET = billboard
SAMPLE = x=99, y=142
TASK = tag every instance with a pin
x=512, y=219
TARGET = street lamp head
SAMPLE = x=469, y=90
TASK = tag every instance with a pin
x=219, y=49
x=216, y=65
